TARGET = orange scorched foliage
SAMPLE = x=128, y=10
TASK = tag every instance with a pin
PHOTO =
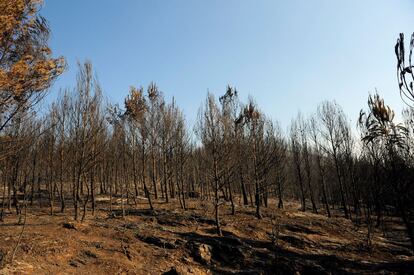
x=26, y=65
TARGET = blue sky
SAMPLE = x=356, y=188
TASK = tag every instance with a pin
x=288, y=55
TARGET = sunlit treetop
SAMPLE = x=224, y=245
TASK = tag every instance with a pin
x=379, y=123
x=135, y=104
x=26, y=64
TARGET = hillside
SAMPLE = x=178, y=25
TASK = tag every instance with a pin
x=184, y=242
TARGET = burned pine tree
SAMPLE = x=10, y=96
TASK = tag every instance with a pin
x=210, y=131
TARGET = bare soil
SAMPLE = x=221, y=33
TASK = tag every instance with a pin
x=167, y=240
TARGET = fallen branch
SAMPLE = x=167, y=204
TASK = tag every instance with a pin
x=21, y=234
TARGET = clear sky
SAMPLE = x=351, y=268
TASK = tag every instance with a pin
x=288, y=55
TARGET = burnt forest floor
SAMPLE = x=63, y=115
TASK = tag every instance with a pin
x=173, y=241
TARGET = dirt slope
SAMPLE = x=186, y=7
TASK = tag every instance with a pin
x=184, y=242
